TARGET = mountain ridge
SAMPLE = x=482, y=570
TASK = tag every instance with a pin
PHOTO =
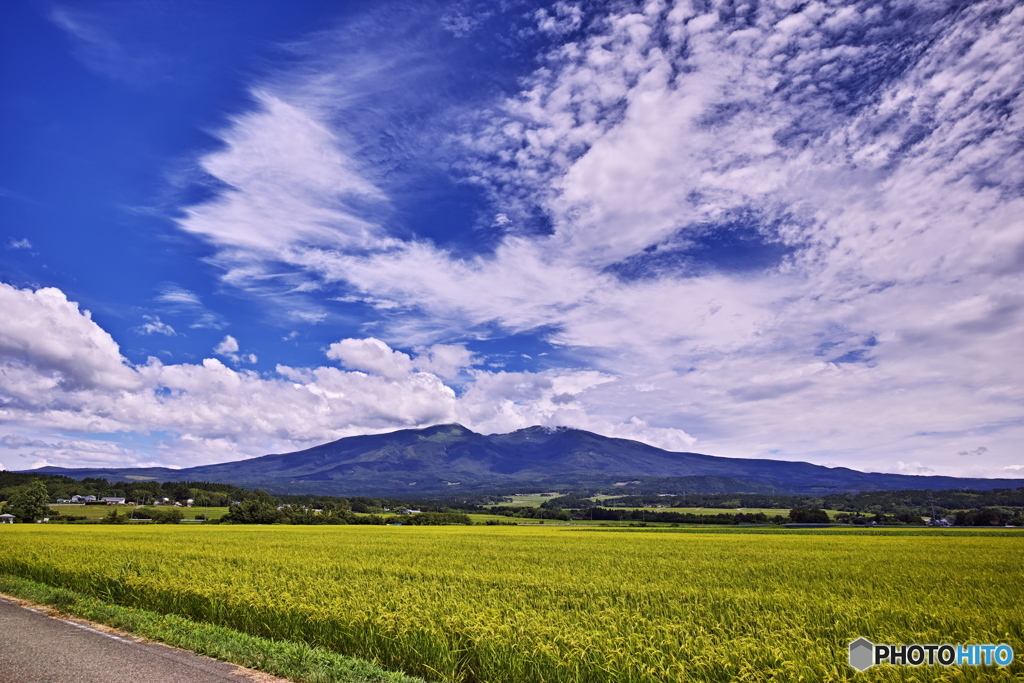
x=449, y=458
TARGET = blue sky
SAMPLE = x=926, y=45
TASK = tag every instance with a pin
x=788, y=230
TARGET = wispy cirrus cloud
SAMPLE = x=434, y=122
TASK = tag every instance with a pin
x=786, y=230
x=108, y=47
x=853, y=149
x=176, y=299
x=178, y=296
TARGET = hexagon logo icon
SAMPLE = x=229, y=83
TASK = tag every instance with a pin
x=862, y=653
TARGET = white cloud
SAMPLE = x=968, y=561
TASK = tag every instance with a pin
x=371, y=355
x=200, y=404
x=19, y=244
x=562, y=18
x=154, y=325
x=292, y=188
x=212, y=412
x=444, y=360
x=173, y=294
x=181, y=301
x=106, y=43
x=11, y=441
x=47, y=338
x=911, y=468
x=228, y=348
x=875, y=147
x=88, y=453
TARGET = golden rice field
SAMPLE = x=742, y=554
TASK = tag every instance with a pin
x=526, y=604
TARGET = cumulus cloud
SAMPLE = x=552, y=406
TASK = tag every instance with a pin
x=211, y=412
x=371, y=355
x=19, y=244
x=914, y=467
x=228, y=348
x=49, y=343
x=444, y=360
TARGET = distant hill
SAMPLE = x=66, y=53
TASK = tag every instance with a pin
x=447, y=459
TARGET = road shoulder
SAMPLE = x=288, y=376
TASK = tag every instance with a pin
x=42, y=643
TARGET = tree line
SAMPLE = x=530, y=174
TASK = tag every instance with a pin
x=29, y=496
x=260, y=512
x=204, y=494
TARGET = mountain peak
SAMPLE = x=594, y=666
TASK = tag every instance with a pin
x=453, y=428
x=541, y=429
x=436, y=458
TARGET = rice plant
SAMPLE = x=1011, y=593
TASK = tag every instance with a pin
x=515, y=604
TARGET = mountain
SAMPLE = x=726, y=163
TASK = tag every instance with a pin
x=447, y=459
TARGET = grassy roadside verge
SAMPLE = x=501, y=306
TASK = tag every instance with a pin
x=287, y=659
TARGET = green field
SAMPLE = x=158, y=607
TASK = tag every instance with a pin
x=531, y=500
x=483, y=518
x=771, y=512
x=514, y=604
x=101, y=511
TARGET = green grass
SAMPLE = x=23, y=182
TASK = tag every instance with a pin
x=771, y=512
x=101, y=511
x=482, y=518
x=528, y=500
x=293, y=660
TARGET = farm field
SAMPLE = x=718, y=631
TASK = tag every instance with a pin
x=512, y=604
x=771, y=512
x=483, y=518
x=532, y=500
x=101, y=511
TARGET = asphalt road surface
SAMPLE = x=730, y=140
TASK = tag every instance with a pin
x=38, y=648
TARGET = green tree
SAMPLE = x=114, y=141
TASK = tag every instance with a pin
x=114, y=517
x=802, y=515
x=168, y=516
x=29, y=502
x=252, y=511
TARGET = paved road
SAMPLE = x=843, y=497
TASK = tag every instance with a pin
x=37, y=648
